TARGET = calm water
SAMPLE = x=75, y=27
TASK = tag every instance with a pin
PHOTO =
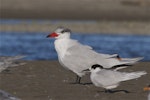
x=37, y=47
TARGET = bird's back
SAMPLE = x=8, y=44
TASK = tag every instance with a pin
x=110, y=77
x=107, y=77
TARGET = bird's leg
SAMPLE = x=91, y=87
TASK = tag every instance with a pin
x=125, y=91
x=78, y=79
x=109, y=91
x=114, y=91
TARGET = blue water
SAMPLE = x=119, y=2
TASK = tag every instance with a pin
x=37, y=47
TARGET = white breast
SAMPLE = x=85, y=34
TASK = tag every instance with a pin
x=61, y=46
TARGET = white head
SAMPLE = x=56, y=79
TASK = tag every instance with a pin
x=60, y=32
x=95, y=68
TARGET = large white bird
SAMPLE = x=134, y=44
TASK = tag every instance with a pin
x=110, y=79
x=76, y=57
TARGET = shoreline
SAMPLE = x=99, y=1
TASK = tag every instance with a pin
x=85, y=27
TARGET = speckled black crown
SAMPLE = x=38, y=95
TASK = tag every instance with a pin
x=97, y=65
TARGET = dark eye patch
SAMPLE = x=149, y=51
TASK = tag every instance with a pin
x=65, y=30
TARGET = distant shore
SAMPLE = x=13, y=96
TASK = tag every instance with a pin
x=76, y=9
x=103, y=16
x=86, y=27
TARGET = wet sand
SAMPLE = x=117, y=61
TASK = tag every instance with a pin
x=47, y=80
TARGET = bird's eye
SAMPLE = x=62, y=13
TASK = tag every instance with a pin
x=62, y=31
x=65, y=30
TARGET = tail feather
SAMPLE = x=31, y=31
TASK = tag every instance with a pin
x=133, y=75
x=126, y=62
x=132, y=60
x=122, y=63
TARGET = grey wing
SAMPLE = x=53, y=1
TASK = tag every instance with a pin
x=110, y=77
x=81, y=56
x=85, y=56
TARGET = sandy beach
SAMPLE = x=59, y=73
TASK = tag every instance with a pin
x=48, y=80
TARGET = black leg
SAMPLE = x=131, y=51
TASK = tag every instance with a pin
x=125, y=91
x=78, y=79
x=114, y=91
x=109, y=91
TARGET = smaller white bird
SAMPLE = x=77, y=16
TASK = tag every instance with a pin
x=110, y=79
x=147, y=89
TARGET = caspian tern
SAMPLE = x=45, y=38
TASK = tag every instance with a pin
x=76, y=57
x=110, y=79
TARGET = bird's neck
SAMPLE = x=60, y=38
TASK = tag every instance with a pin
x=61, y=46
x=96, y=70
